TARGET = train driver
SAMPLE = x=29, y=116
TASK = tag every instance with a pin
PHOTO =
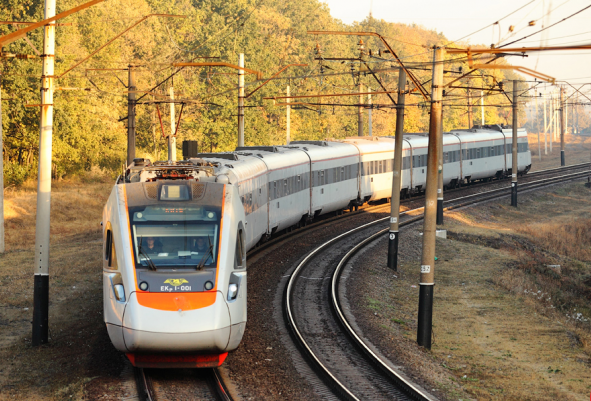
x=152, y=245
x=199, y=245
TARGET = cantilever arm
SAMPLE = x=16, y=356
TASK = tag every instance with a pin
x=408, y=73
x=274, y=75
x=11, y=37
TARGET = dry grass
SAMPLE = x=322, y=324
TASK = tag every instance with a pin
x=570, y=237
x=577, y=150
x=508, y=325
x=76, y=211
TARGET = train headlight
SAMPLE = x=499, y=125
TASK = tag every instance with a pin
x=144, y=286
x=119, y=292
x=232, y=291
x=208, y=285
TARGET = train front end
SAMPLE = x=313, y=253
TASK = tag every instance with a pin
x=175, y=274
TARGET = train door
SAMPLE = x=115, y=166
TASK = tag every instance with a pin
x=274, y=203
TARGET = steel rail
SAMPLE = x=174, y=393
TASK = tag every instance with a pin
x=337, y=385
x=214, y=379
x=144, y=386
x=219, y=386
x=408, y=386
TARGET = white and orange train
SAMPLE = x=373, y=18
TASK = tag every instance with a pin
x=176, y=233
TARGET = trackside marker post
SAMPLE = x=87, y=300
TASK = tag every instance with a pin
x=396, y=175
x=427, y=281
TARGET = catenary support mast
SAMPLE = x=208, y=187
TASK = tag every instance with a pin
x=287, y=118
x=393, y=236
x=562, y=127
x=241, y=101
x=172, y=136
x=425, y=318
x=41, y=286
x=514, y=148
x=131, y=96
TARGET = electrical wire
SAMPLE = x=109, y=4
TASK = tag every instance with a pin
x=543, y=29
x=494, y=23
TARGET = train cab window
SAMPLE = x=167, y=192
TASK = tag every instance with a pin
x=171, y=236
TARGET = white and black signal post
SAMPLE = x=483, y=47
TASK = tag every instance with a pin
x=434, y=165
x=514, y=148
x=41, y=286
x=396, y=175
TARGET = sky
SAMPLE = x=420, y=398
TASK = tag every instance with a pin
x=459, y=18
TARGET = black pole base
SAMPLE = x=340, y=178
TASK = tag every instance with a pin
x=425, y=324
x=393, y=250
x=439, y=212
x=514, y=194
x=562, y=159
x=40, y=310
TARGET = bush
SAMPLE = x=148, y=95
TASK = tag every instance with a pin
x=15, y=174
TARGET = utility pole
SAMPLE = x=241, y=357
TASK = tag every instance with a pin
x=425, y=318
x=470, y=120
x=514, y=148
x=565, y=115
x=562, y=127
x=545, y=127
x=241, y=101
x=538, y=126
x=396, y=174
x=131, y=96
x=2, y=246
x=553, y=113
x=288, y=118
x=369, y=113
x=41, y=285
x=482, y=106
x=154, y=129
x=172, y=136
x=360, y=110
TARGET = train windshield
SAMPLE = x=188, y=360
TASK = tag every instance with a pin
x=175, y=236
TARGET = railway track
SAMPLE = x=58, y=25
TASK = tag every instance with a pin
x=321, y=328
x=181, y=384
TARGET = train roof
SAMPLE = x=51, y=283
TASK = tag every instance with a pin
x=275, y=157
x=371, y=144
x=319, y=150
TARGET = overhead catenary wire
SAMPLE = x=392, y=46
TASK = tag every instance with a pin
x=548, y=27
